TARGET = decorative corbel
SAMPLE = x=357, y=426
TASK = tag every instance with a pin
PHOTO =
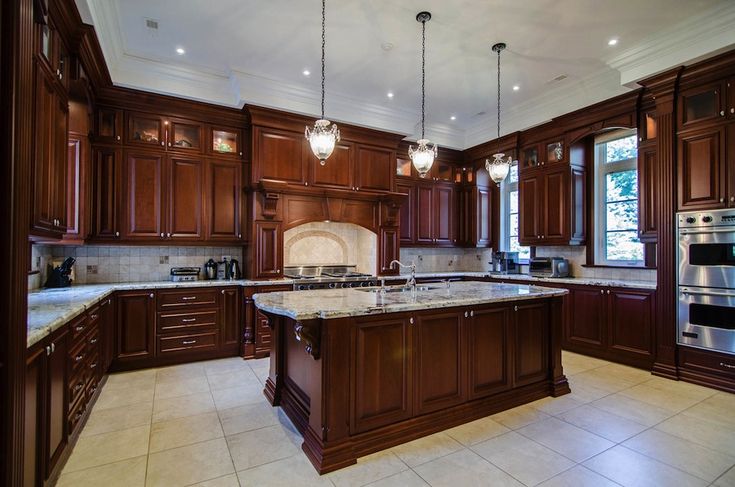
x=308, y=333
x=270, y=204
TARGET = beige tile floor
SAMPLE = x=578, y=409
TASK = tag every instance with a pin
x=208, y=424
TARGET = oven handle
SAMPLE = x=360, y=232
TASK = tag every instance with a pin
x=726, y=294
x=686, y=231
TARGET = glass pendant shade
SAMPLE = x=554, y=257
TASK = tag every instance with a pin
x=499, y=167
x=423, y=156
x=323, y=137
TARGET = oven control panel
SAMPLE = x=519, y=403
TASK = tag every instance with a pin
x=714, y=218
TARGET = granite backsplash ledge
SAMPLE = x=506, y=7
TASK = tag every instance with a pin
x=102, y=264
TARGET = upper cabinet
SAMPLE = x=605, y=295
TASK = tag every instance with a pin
x=374, y=171
x=540, y=154
x=279, y=155
x=225, y=141
x=145, y=130
x=702, y=104
x=186, y=136
x=108, y=126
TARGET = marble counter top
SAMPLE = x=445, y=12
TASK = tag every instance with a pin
x=581, y=281
x=340, y=303
x=48, y=309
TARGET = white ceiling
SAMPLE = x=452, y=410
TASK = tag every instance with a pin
x=254, y=51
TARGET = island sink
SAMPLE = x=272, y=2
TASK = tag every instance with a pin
x=359, y=371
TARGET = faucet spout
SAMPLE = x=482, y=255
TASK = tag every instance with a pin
x=410, y=282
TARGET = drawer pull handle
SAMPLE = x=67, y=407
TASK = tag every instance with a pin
x=188, y=320
x=79, y=358
x=93, y=366
x=78, y=415
x=93, y=317
x=189, y=342
x=723, y=364
x=188, y=298
x=78, y=387
x=93, y=341
x=79, y=328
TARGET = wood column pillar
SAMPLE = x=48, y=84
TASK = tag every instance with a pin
x=664, y=90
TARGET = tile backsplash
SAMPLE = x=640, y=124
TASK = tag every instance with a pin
x=96, y=263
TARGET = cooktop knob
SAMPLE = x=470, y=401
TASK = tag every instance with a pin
x=691, y=219
x=706, y=219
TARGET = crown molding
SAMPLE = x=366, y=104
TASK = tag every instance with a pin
x=698, y=37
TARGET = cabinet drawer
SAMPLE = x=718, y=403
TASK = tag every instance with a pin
x=708, y=363
x=78, y=328
x=93, y=365
x=192, y=297
x=77, y=385
x=93, y=340
x=91, y=389
x=187, y=343
x=186, y=322
x=77, y=355
x=76, y=415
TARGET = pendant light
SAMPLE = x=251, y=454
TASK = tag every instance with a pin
x=423, y=156
x=324, y=135
x=499, y=167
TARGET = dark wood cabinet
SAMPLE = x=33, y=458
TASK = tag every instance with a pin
x=224, y=194
x=143, y=201
x=407, y=214
x=434, y=213
x=389, y=249
x=476, y=207
x=702, y=104
x=439, y=360
x=33, y=427
x=531, y=328
x=56, y=384
x=135, y=324
x=425, y=216
x=586, y=325
x=339, y=170
x=107, y=333
x=225, y=142
x=106, y=193
x=108, y=127
x=145, y=129
x=553, y=206
x=702, y=169
x=488, y=333
x=529, y=204
x=269, y=259
x=185, y=200
x=444, y=212
x=630, y=323
x=280, y=154
x=541, y=154
x=231, y=324
x=256, y=333
x=383, y=379
x=375, y=168
x=647, y=192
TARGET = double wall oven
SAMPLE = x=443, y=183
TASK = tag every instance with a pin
x=707, y=280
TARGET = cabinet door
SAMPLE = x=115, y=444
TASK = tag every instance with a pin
x=135, y=325
x=483, y=217
x=730, y=151
x=185, y=198
x=281, y=155
x=701, y=169
x=338, y=170
x=630, y=323
x=107, y=333
x=585, y=326
x=438, y=361
x=106, y=193
x=529, y=198
x=381, y=372
x=408, y=211
x=268, y=259
x=185, y=136
x=143, y=199
x=56, y=403
x=389, y=249
x=531, y=343
x=146, y=130
x=444, y=233
x=425, y=219
x=60, y=162
x=489, y=352
x=33, y=421
x=554, y=229
x=375, y=169
x=701, y=104
x=647, y=194
x=44, y=148
x=529, y=157
x=225, y=141
x=231, y=331
x=224, y=200
x=554, y=152
x=108, y=125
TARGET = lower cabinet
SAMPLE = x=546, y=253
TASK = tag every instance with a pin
x=256, y=334
x=135, y=325
x=231, y=319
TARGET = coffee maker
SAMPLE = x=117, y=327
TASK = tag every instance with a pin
x=505, y=263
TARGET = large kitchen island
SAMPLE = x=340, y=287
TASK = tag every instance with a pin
x=360, y=370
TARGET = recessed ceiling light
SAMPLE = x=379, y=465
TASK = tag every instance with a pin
x=387, y=46
x=306, y=72
x=453, y=117
x=180, y=51
x=516, y=87
x=390, y=94
x=612, y=42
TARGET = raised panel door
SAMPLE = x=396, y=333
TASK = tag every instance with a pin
x=135, y=325
x=185, y=198
x=375, y=169
x=407, y=214
x=44, y=147
x=280, y=155
x=488, y=351
x=530, y=196
x=531, y=350
x=60, y=160
x=224, y=200
x=108, y=125
x=630, y=323
x=554, y=229
x=143, y=199
x=338, y=172
x=702, y=169
x=56, y=403
x=33, y=419
x=483, y=209
x=425, y=219
x=444, y=213
x=106, y=193
x=647, y=193
x=381, y=372
x=438, y=361
x=268, y=240
x=389, y=249
x=585, y=326
x=231, y=332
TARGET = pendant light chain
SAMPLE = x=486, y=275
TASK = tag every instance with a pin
x=423, y=76
x=499, y=100
x=324, y=44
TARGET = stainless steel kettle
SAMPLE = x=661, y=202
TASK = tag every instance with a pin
x=210, y=269
x=233, y=269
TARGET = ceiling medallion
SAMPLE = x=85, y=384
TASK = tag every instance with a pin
x=323, y=137
x=499, y=167
x=423, y=156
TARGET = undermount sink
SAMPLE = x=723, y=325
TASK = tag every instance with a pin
x=398, y=289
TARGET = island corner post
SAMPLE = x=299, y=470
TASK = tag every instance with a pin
x=360, y=384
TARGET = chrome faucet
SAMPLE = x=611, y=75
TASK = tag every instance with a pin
x=411, y=282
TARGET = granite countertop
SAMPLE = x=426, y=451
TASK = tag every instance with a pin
x=340, y=303
x=582, y=281
x=48, y=309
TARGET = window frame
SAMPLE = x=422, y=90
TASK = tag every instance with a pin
x=506, y=188
x=602, y=168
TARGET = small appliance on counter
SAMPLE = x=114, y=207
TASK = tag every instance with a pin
x=61, y=275
x=210, y=269
x=549, y=267
x=505, y=263
x=233, y=270
x=184, y=274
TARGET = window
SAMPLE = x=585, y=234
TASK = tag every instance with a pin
x=616, y=200
x=509, y=210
